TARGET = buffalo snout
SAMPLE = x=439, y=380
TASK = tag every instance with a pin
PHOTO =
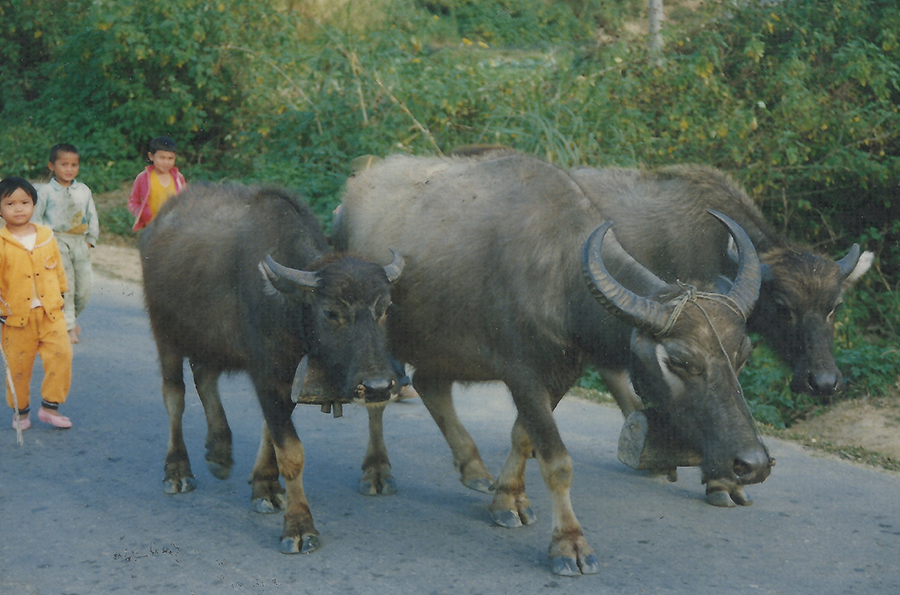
x=753, y=466
x=376, y=390
x=823, y=382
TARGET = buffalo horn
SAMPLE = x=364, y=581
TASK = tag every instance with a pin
x=848, y=263
x=303, y=279
x=764, y=269
x=394, y=269
x=745, y=290
x=638, y=311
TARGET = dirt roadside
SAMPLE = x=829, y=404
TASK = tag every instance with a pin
x=865, y=431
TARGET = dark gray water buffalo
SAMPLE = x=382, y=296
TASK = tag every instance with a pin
x=800, y=289
x=239, y=278
x=497, y=252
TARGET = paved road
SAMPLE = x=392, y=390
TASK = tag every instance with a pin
x=83, y=511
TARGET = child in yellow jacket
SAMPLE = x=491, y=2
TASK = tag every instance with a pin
x=32, y=282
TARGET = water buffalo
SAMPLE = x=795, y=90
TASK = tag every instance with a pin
x=800, y=289
x=239, y=278
x=498, y=249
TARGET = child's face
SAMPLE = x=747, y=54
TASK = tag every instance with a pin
x=17, y=208
x=163, y=161
x=65, y=168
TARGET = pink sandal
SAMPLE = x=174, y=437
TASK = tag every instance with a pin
x=57, y=421
x=21, y=422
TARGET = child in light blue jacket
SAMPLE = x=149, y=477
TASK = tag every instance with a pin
x=66, y=206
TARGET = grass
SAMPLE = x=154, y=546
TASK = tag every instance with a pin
x=115, y=220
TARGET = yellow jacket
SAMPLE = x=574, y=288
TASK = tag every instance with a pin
x=23, y=271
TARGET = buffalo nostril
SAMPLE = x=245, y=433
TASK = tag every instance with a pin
x=377, y=389
x=752, y=468
x=742, y=468
x=822, y=383
x=826, y=383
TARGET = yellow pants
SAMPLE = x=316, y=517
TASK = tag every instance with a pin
x=50, y=340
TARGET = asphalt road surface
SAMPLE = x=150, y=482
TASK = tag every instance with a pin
x=83, y=511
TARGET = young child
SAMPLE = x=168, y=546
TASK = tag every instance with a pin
x=32, y=281
x=160, y=181
x=66, y=206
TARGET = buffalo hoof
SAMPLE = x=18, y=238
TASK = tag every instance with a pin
x=726, y=494
x=179, y=486
x=300, y=545
x=512, y=518
x=740, y=497
x=480, y=484
x=565, y=566
x=269, y=505
x=722, y=499
x=375, y=483
x=219, y=471
x=570, y=554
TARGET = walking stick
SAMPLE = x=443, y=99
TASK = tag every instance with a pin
x=12, y=388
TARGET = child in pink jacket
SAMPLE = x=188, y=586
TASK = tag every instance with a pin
x=159, y=182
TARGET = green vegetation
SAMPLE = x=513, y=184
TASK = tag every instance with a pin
x=800, y=101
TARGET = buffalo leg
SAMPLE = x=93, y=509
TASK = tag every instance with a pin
x=377, y=477
x=511, y=507
x=273, y=389
x=618, y=381
x=570, y=553
x=436, y=394
x=178, y=476
x=300, y=535
x=266, y=494
x=218, y=433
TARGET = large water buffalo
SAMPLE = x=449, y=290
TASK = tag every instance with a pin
x=800, y=289
x=498, y=249
x=239, y=278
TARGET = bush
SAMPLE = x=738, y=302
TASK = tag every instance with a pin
x=120, y=74
x=512, y=23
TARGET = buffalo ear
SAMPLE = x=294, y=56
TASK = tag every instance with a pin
x=723, y=284
x=862, y=265
x=394, y=269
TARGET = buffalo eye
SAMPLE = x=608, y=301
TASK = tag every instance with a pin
x=380, y=311
x=785, y=311
x=331, y=315
x=834, y=310
x=682, y=363
x=742, y=354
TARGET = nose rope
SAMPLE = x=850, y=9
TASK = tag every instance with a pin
x=734, y=375
x=693, y=295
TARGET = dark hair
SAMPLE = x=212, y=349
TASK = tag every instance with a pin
x=163, y=143
x=58, y=148
x=12, y=183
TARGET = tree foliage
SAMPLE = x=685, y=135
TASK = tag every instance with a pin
x=111, y=75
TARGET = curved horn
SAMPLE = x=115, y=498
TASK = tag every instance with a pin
x=764, y=269
x=848, y=263
x=394, y=269
x=745, y=290
x=643, y=313
x=303, y=279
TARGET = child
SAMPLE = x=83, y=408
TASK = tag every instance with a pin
x=32, y=282
x=160, y=181
x=66, y=206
